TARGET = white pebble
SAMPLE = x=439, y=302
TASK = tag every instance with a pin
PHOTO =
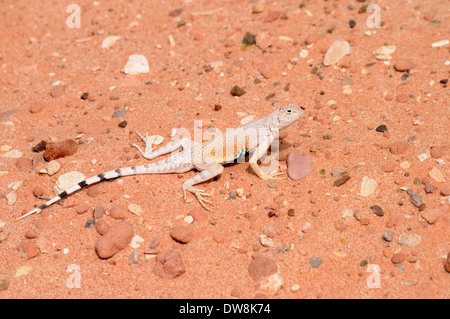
x=136, y=64
x=439, y=43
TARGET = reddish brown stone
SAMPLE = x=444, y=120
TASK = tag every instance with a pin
x=57, y=150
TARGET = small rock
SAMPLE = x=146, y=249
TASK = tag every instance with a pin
x=272, y=16
x=298, y=166
x=398, y=258
x=101, y=226
x=237, y=91
x=119, y=113
x=67, y=180
x=338, y=171
x=262, y=267
x=38, y=191
x=11, y=198
x=57, y=91
x=336, y=52
x=133, y=259
x=398, y=148
x=430, y=188
x=39, y=147
x=445, y=191
x=272, y=185
x=169, y=265
x=392, y=221
x=182, y=234
x=136, y=64
x=52, y=167
x=340, y=225
x=377, y=210
x=82, y=209
x=388, y=235
x=135, y=209
x=4, y=283
x=403, y=65
x=431, y=215
x=312, y=38
x=341, y=180
x=29, y=249
x=437, y=151
x=415, y=199
x=36, y=107
x=99, y=211
x=266, y=241
x=13, y=154
x=367, y=186
x=315, y=262
x=249, y=39
x=116, y=238
x=409, y=239
x=436, y=174
x=388, y=167
x=94, y=191
x=109, y=41
x=381, y=128
x=258, y=8
x=402, y=98
x=57, y=150
x=118, y=212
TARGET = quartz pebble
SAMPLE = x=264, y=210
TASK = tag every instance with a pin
x=336, y=52
x=298, y=166
x=136, y=64
x=367, y=186
x=68, y=180
x=436, y=174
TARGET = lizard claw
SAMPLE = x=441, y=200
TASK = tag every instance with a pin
x=273, y=176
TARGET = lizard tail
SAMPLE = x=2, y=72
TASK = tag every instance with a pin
x=132, y=170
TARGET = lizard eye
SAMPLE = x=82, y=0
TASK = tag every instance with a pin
x=289, y=111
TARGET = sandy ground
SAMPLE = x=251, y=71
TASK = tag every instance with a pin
x=195, y=57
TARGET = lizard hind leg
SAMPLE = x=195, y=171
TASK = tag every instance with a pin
x=207, y=173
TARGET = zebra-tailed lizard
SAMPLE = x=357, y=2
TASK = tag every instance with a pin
x=209, y=157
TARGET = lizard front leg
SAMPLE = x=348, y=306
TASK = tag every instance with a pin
x=207, y=173
x=257, y=154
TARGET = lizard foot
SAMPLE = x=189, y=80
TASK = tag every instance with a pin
x=200, y=194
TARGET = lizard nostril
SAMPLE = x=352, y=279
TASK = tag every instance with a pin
x=302, y=107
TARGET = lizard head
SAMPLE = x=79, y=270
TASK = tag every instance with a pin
x=288, y=114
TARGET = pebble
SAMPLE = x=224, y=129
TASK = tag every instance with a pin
x=377, y=210
x=99, y=211
x=237, y=91
x=409, y=239
x=182, y=234
x=169, y=265
x=135, y=209
x=118, y=212
x=272, y=185
x=336, y=52
x=60, y=149
x=134, y=257
x=68, y=180
x=272, y=16
x=94, y=191
x=430, y=188
x=388, y=167
x=89, y=224
x=381, y=128
x=397, y=148
x=52, y=167
x=340, y=225
x=29, y=249
x=384, y=53
x=261, y=268
x=136, y=64
x=266, y=241
x=109, y=41
x=258, y=8
x=116, y=238
x=82, y=209
x=11, y=198
x=36, y=107
x=415, y=199
x=298, y=166
x=437, y=151
x=119, y=113
x=402, y=98
x=398, y=258
x=445, y=191
x=101, y=226
x=339, y=171
x=403, y=65
x=436, y=174
x=4, y=284
x=388, y=235
x=431, y=215
x=57, y=91
x=367, y=186
x=315, y=262
x=312, y=38
x=38, y=191
x=341, y=180
x=249, y=39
